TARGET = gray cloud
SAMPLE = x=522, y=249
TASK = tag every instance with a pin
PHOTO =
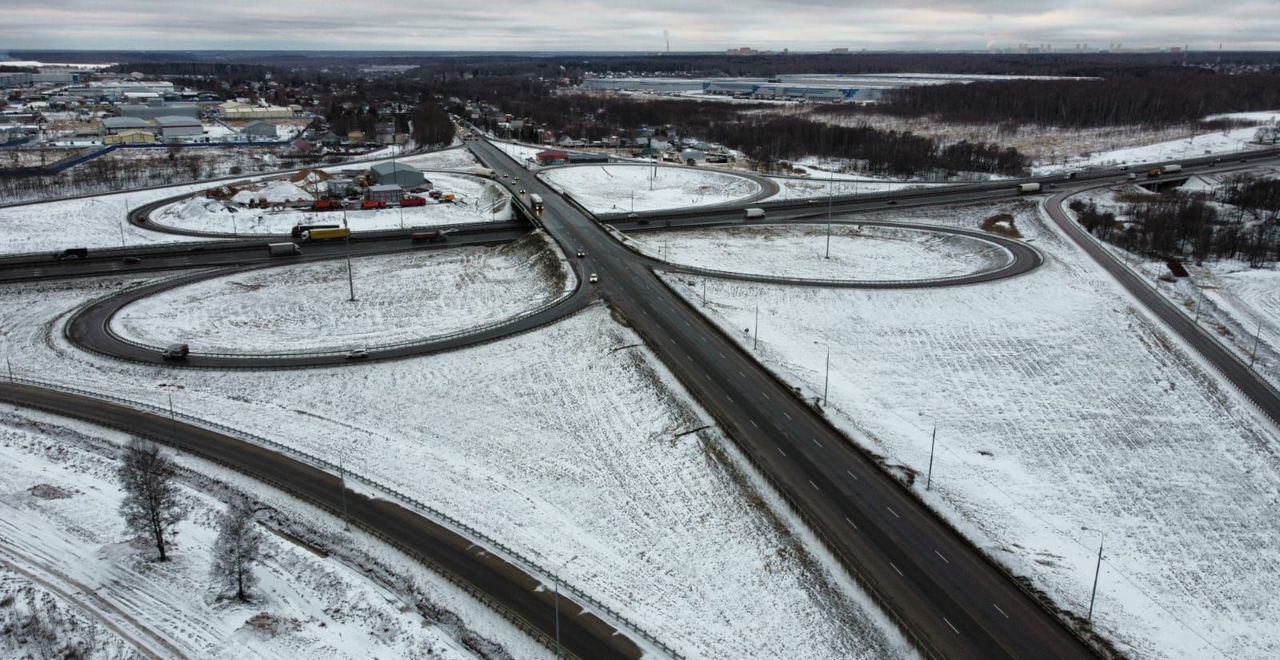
x=599, y=25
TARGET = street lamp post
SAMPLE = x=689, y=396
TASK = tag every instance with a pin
x=830, y=182
x=933, y=442
x=755, y=338
x=555, y=577
x=826, y=379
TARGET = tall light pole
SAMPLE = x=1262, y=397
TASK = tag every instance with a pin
x=342, y=492
x=928, y=480
x=1199, y=300
x=555, y=577
x=830, y=182
x=755, y=338
x=351, y=282
x=1096, y=571
x=1253, y=355
x=826, y=379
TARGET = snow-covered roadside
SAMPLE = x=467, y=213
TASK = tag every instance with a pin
x=304, y=307
x=477, y=200
x=858, y=252
x=1224, y=143
x=625, y=188
x=571, y=441
x=458, y=158
x=59, y=498
x=820, y=188
x=522, y=153
x=1061, y=408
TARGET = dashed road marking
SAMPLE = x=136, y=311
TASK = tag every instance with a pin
x=851, y=475
x=766, y=395
x=753, y=423
x=952, y=626
x=895, y=567
x=729, y=398
x=815, y=441
x=850, y=523
x=895, y=513
x=815, y=486
x=784, y=414
x=940, y=556
x=999, y=610
x=781, y=452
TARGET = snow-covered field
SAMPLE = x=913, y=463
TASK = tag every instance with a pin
x=1219, y=142
x=568, y=445
x=304, y=307
x=857, y=252
x=522, y=153
x=625, y=188
x=81, y=570
x=1059, y=406
x=819, y=187
x=458, y=158
x=478, y=200
x=1262, y=117
x=95, y=222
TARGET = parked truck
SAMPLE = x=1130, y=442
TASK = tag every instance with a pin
x=283, y=249
x=326, y=234
x=413, y=200
x=755, y=213
x=1028, y=188
x=326, y=205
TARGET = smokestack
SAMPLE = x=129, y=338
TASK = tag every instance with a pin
x=666, y=36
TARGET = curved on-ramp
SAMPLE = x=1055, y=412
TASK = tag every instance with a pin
x=508, y=589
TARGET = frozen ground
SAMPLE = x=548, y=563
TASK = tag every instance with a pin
x=478, y=200
x=571, y=441
x=625, y=188
x=1059, y=407
x=304, y=307
x=1263, y=117
x=59, y=523
x=458, y=158
x=522, y=153
x=94, y=222
x=1218, y=142
x=857, y=252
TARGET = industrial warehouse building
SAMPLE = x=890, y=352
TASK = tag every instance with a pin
x=157, y=108
x=173, y=127
x=260, y=129
x=397, y=174
x=116, y=125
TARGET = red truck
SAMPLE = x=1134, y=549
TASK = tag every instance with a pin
x=413, y=201
x=371, y=204
x=326, y=205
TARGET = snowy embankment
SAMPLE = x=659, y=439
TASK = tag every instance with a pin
x=1224, y=143
x=93, y=222
x=522, y=153
x=478, y=200
x=458, y=158
x=572, y=441
x=625, y=188
x=1061, y=408
x=304, y=307
x=859, y=252
x=820, y=188
x=98, y=590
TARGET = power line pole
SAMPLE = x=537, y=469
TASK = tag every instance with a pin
x=928, y=482
x=1096, y=572
x=755, y=339
x=1253, y=355
x=830, y=182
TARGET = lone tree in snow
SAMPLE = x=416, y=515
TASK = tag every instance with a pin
x=150, y=503
x=237, y=548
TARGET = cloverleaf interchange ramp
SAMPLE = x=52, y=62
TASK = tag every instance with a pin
x=879, y=549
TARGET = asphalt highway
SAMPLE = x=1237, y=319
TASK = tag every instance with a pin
x=947, y=597
x=521, y=598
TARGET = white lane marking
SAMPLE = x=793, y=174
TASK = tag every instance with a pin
x=855, y=478
x=722, y=357
x=753, y=423
x=766, y=395
x=953, y=628
x=851, y=523
x=940, y=556
x=999, y=610
x=781, y=452
x=784, y=414
x=895, y=513
x=815, y=486
x=895, y=567
x=729, y=398
x=742, y=374
x=815, y=441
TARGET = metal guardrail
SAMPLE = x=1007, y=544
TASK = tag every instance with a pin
x=418, y=506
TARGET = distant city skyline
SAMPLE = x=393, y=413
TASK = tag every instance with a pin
x=595, y=25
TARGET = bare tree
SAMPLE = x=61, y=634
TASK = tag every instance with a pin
x=237, y=548
x=150, y=503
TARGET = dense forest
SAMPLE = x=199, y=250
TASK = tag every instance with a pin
x=1161, y=99
x=1195, y=225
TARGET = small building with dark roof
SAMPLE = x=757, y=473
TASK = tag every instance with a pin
x=404, y=176
x=388, y=193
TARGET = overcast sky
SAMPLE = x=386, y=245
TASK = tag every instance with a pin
x=598, y=25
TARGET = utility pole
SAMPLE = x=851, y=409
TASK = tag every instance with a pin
x=826, y=379
x=9, y=364
x=830, y=182
x=704, y=290
x=342, y=493
x=1199, y=300
x=1096, y=571
x=555, y=577
x=351, y=282
x=755, y=339
x=928, y=481
x=1253, y=355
